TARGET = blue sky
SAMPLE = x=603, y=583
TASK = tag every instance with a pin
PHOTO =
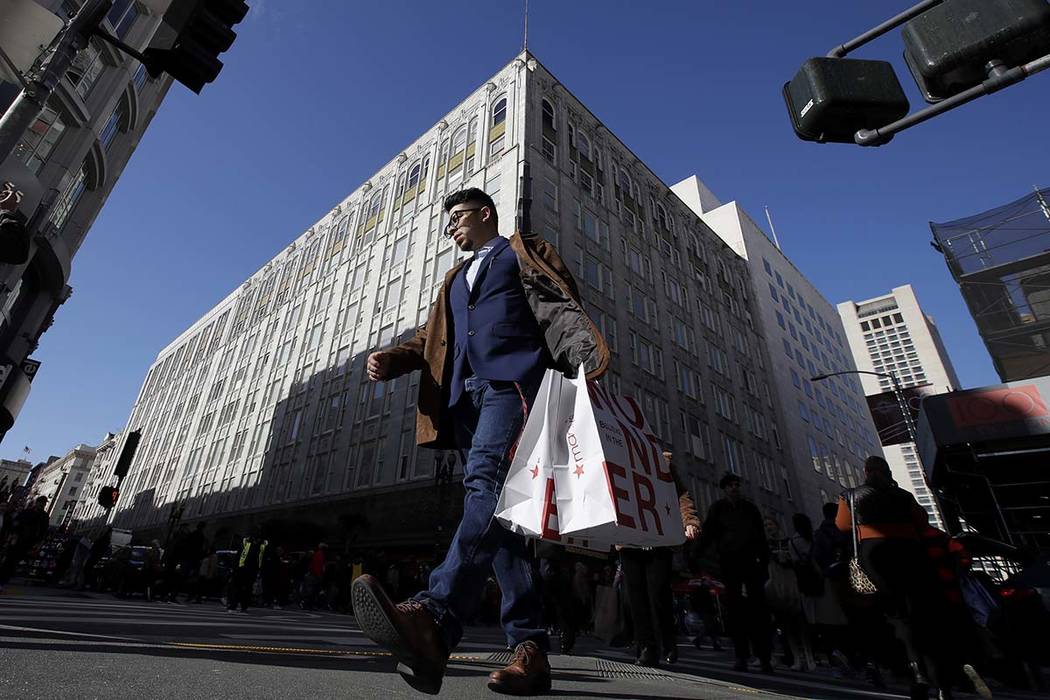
x=311, y=103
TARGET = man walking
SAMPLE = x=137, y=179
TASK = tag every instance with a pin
x=501, y=319
x=734, y=526
x=253, y=549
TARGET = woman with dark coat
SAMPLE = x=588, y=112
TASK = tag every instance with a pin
x=647, y=573
x=889, y=525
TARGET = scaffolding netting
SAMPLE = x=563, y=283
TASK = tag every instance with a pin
x=1001, y=260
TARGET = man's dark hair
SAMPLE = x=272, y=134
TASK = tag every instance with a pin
x=830, y=510
x=474, y=196
x=729, y=478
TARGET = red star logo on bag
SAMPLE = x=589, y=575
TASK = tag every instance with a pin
x=579, y=471
x=535, y=471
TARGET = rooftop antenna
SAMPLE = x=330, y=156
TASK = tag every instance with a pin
x=772, y=230
x=525, y=47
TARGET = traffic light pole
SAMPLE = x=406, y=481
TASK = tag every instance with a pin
x=32, y=100
x=999, y=77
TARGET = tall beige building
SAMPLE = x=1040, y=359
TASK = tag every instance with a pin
x=260, y=410
x=891, y=334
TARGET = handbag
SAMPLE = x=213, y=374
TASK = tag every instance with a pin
x=858, y=578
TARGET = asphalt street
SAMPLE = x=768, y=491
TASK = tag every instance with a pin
x=63, y=644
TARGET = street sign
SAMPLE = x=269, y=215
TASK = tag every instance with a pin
x=26, y=29
x=29, y=368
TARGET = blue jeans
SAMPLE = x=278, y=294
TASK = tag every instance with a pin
x=488, y=420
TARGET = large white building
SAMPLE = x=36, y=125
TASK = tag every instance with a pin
x=260, y=410
x=891, y=334
x=828, y=427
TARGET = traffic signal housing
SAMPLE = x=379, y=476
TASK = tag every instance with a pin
x=831, y=99
x=14, y=238
x=203, y=30
x=948, y=48
x=107, y=496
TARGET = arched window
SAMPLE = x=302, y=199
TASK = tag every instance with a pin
x=498, y=129
x=583, y=144
x=499, y=111
x=459, y=147
x=424, y=173
x=548, y=116
x=413, y=175
x=623, y=180
x=375, y=210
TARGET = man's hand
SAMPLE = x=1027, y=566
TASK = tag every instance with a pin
x=378, y=366
x=692, y=532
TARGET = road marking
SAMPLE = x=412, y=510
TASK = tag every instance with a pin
x=17, y=628
x=302, y=650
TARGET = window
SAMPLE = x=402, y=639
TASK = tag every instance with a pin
x=122, y=16
x=72, y=187
x=583, y=144
x=768, y=268
x=39, y=139
x=550, y=151
x=592, y=228
x=724, y=404
x=87, y=66
x=139, y=79
x=113, y=124
x=497, y=130
x=550, y=194
x=548, y=116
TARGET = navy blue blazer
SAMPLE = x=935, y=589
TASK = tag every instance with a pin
x=496, y=335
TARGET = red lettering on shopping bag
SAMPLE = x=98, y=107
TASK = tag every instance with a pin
x=647, y=503
x=550, y=509
x=623, y=406
x=637, y=449
x=618, y=494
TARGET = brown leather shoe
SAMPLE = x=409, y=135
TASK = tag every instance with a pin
x=407, y=630
x=529, y=673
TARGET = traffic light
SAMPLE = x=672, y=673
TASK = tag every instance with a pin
x=831, y=99
x=14, y=238
x=203, y=31
x=127, y=453
x=107, y=496
x=948, y=48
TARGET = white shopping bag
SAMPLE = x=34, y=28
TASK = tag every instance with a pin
x=616, y=485
x=587, y=467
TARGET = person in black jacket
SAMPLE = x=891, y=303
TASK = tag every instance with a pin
x=734, y=527
x=27, y=528
x=889, y=522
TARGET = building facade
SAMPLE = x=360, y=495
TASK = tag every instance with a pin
x=66, y=164
x=13, y=473
x=891, y=334
x=88, y=514
x=261, y=410
x=62, y=482
x=829, y=430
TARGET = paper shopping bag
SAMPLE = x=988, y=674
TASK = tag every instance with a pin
x=527, y=503
x=614, y=485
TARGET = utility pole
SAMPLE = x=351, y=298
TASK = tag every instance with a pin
x=42, y=83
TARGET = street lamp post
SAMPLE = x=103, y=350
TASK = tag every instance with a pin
x=898, y=391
